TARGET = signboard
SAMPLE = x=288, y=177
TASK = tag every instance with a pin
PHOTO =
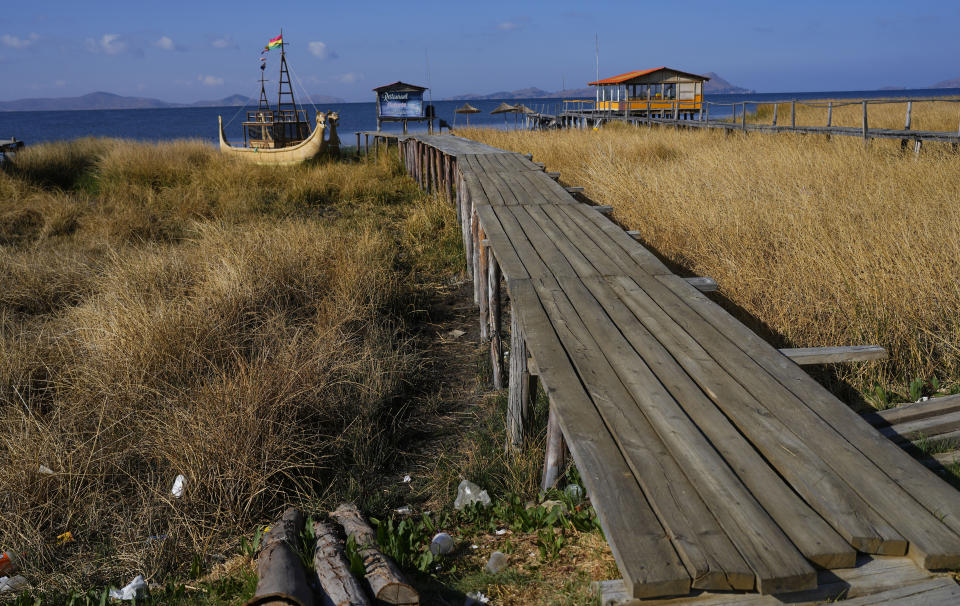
x=400, y=104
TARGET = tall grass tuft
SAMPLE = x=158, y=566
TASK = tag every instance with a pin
x=827, y=242
x=165, y=311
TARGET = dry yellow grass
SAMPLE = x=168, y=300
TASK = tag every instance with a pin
x=826, y=242
x=164, y=311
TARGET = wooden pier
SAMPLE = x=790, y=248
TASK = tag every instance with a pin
x=679, y=117
x=714, y=462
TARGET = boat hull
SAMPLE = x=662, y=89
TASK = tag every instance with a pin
x=308, y=149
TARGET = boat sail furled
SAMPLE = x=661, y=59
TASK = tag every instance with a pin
x=282, y=136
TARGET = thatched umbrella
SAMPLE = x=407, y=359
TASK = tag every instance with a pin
x=505, y=108
x=466, y=109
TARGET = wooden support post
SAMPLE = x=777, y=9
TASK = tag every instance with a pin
x=917, y=146
x=775, y=106
x=906, y=124
x=864, y=121
x=366, y=144
x=358, y=143
x=465, y=220
x=475, y=255
x=496, y=342
x=707, y=113
x=555, y=457
x=743, y=117
x=519, y=395
x=793, y=114
x=481, y=280
x=829, y=114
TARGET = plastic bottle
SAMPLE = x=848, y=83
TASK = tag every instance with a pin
x=441, y=544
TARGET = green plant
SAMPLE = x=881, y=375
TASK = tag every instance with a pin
x=550, y=542
x=408, y=541
x=250, y=548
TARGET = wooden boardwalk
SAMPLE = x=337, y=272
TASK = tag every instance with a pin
x=714, y=462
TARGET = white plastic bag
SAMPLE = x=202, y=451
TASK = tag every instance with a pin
x=467, y=493
x=137, y=588
x=179, y=485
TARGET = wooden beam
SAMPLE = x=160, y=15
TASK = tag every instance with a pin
x=554, y=176
x=606, y=210
x=574, y=190
x=914, y=412
x=702, y=283
x=832, y=355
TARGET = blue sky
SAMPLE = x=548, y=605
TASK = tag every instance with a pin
x=207, y=49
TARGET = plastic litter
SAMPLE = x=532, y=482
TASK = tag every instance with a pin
x=404, y=511
x=45, y=470
x=63, y=539
x=8, y=561
x=549, y=505
x=456, y=333
x=179, y=484
x=407, y=479
x=574, y=491
x=500, y=532
x=11, y=584
x=476, y=597
x=467, y=493
x=496, y=563
x=441, y=544
x=137, y=588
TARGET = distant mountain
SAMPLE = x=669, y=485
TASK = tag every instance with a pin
x=98, y=100
x=955, y=83
x=716, y=85
x=102, y=100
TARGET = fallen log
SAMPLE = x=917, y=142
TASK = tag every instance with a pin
x=387, y=583
x=282, y=579
x=333, y=570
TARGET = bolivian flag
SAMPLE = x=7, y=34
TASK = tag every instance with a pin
x=275, y=43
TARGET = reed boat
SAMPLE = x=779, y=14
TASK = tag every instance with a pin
x=282, y=136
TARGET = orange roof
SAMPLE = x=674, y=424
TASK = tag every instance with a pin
x=636, y=74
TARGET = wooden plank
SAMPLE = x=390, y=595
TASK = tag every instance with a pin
x=832, y=355
x=934, y=592
x=595, y=223
x=914, y=412
x=705, y=549
x=657, y=429
x=506, y=255
x=543, y=216
x=870, y=577
x=822, y=489
x=546, y=248
x=644, y=554
x=702, y=283
x=830, y=428
x=920, y=428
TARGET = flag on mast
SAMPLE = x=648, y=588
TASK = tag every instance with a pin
x=275, y=43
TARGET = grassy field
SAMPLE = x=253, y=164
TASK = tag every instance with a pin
x=824, y=242
x=277, y=336
x=931, y=115
x=166, y=311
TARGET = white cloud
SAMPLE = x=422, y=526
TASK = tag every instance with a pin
x=16, y=42
x=320, y=49
x=110, y=44
x=350, y=77
x=507, y=26
x=224, y=42
x=165, y=43
x=210, y=80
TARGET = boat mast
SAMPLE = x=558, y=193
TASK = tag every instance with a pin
x=264, y=105
x=285, y=79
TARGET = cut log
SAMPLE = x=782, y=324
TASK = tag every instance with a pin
x=387, y=583
x=282, y=579
x=333, y=569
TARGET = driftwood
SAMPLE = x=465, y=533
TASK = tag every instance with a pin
x=333, y=570
x=282, y=579
x=387, y=583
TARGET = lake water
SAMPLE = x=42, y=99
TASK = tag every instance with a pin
x=201, y=122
